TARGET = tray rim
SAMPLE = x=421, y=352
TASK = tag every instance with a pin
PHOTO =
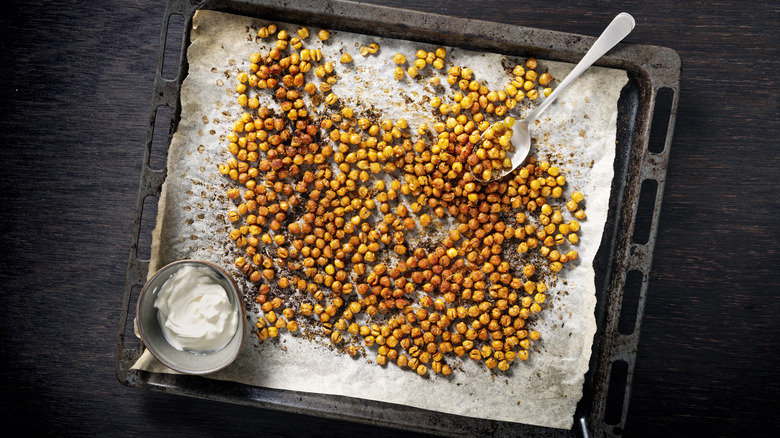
x=656, y=67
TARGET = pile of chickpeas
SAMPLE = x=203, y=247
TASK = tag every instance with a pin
x=376, y=234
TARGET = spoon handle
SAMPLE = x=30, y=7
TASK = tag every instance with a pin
x=618, y=29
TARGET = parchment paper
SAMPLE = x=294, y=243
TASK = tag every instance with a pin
x=576, y=133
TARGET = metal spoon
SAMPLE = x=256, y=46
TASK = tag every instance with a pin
x=618, y=29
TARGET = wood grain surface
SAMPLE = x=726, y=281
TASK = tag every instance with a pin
x=75, y=94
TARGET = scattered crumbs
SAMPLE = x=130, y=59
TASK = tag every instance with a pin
x=205, y=120
x=193, y=237
x=200, y=132
x=582, y=133
x=587, y=99
x=283, y=348
x=201, y=149
x=220, y=83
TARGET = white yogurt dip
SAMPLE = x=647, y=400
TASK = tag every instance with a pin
x=194, y=311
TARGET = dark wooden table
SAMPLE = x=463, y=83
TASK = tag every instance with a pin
x=74, y=100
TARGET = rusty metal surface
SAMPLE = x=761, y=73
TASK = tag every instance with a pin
x=650, y=69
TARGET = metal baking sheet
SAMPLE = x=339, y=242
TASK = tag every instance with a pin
x=623, y=264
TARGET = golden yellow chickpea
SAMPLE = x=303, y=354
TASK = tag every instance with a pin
x=545, y=79
x=323, y=35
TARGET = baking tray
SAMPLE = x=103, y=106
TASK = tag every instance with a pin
x=646, y=117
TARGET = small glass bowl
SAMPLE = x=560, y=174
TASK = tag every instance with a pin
x=153, y=338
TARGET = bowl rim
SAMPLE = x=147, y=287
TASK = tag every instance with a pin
x=240, y=330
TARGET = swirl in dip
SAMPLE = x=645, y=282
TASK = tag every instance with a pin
x=194, y=311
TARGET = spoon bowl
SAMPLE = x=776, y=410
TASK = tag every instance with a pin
x=617, y=30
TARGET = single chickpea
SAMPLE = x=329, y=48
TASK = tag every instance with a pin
x=323, y=35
